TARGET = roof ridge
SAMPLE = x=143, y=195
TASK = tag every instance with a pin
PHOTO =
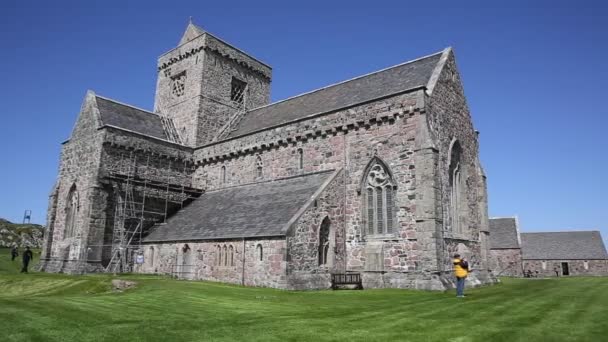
x=127, y=105
x=347, y=80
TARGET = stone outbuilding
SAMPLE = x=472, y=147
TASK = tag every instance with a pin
x=564, y=253
x=377, y=175
x=505, y=247
x=545, y=254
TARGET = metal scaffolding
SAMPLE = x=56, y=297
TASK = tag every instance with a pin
x=143, y=197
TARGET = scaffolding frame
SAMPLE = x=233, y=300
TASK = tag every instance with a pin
x=133, y=212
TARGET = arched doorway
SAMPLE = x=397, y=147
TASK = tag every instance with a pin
x=186, y=269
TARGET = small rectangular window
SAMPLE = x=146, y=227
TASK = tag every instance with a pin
x=237, y=92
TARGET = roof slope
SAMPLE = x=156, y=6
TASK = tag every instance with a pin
x=134, y=119
x=260, y=209
x=503, y=233
x=563, y=245
x=361, y=89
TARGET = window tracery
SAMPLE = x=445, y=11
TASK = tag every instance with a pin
x=378, y=199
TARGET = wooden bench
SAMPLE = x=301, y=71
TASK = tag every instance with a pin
x=338, y=279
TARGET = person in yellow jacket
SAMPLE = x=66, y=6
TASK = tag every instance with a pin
x=461, y=271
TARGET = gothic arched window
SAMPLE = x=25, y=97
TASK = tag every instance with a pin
x=455, y=181
x=71, y=213
x=225, y=257
x=231, y=255
x=378, y=198
x=218, y=259
x=260, y=252
x=324, y=241
x=259, y=166
x=223, y=174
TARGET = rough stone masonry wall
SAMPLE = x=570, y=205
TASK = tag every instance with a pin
x=205, y=106
x=216, y=105
x=202, y=261
x=449, y=120
x=575, y=267
x=303, y=269
x=78, y=169
x=506, y=262
x=347, y=139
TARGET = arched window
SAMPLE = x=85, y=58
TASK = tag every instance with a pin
x=231, y=255
x=225, y=257
x=300, y=159
x=260, y=252
x=71, y=212
x=223, y=174
x=259, y=166
x=455, y=179
x=378, y=198
x=218, y=259
x=324, y=242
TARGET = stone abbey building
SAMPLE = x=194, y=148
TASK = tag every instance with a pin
x=377, y=175
x=545, y=254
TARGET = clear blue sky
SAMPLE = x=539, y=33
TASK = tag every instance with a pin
x=534, y=75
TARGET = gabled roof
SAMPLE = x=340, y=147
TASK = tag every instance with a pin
x=563, y=245
x=504, y=233
x=192, y=31
x=262, y=209
x=365, y=88
x=133, y=119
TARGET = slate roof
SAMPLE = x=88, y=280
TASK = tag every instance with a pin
x=563, y=245
x=503, y=233
x=261, y=209
x=361, y=89
x=131, y=118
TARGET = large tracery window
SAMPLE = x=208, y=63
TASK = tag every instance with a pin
x=71, y=212
x=378, y=200
x=455, y=181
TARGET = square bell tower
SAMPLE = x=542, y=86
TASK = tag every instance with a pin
x=204, y=82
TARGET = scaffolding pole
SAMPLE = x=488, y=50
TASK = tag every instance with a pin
x=135, y=190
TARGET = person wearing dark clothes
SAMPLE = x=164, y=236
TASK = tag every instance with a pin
x=27, y=256
x=14, y=253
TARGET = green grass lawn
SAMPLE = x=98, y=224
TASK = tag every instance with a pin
x=48, y=307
